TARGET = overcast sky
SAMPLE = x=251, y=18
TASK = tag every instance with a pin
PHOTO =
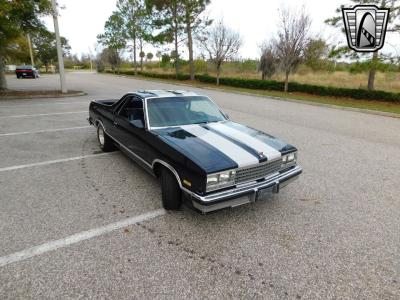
x=81, y=21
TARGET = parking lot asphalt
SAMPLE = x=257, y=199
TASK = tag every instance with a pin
x=75, y=223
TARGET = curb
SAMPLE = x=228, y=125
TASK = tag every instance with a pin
x=43, y=96
x=353, y=109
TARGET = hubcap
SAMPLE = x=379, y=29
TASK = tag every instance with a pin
x=101, y=136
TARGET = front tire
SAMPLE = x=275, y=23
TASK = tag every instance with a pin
x=171, y=193
x=105, y=142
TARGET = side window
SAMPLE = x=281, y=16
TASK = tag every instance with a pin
x=120, y=103
x=132, y=110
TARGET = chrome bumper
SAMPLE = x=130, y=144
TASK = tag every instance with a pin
x=244, y=193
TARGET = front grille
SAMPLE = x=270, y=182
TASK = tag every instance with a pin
x=258, y=171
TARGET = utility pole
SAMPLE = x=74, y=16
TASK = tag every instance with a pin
x=59, y=50
x=30, y=49
x=90, y=58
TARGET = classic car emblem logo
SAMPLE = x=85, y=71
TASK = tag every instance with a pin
x=261, y=154
x=365, y=27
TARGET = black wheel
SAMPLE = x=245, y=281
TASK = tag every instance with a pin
x=18, y=77
x=171, y=193
x=105, y=142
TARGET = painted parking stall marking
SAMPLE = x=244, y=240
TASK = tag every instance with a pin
x=40, y=115
x=46, y=104
x=43, y=131
x=76, y=238
x=50, y=162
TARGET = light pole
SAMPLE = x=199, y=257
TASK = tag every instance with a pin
x=30, y=49
x=59, y=50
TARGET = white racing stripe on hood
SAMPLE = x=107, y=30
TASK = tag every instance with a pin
x=250, y=141
x=230, y=149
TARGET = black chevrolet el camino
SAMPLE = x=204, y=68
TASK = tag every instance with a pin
x=187, y=141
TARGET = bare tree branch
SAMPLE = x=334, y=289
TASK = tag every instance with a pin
x=291, y=41
x=221, y=44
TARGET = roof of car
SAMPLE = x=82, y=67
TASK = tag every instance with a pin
x=164, y=93
x=25, y=67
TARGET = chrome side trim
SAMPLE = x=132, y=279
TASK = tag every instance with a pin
x=169, y=167
x=172, y=169
x=146, y=116
x=147, y=113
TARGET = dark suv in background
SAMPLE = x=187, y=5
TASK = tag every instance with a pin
x=27, y=71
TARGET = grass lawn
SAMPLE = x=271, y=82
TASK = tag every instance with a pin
x=343, y=102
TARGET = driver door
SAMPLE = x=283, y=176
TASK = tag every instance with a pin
x=130, y=127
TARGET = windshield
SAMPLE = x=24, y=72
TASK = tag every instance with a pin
x=177, y=111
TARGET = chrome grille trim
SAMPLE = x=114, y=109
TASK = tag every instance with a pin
x=258, y=171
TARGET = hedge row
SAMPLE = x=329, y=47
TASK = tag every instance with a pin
x=303, y=88
x=154, y=75
x=279, y=86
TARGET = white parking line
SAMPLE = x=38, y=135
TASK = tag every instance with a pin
x=43, y=131
x=51, y=114
x=50, y=162
x=76, y=238
x=49, y=103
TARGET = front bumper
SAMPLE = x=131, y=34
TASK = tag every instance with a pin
x=244, y=193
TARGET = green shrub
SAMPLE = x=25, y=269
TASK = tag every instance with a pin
x=179, y=76
x=152, y=74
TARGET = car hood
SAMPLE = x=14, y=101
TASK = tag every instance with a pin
x=224, y=145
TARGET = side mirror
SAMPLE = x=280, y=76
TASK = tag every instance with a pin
x=138, y=123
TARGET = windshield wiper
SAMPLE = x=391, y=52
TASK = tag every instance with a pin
x=202, y=122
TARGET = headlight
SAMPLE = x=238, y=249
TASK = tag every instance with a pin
x=220, y=180
x=289, y=159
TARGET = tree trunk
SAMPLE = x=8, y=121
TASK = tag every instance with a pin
x=176, y=53
x=3, y=82
x=134, y=55
x=118, y=60
x=46, y=65
x=262, y=76
x=190, y=45
x=218, y=73
x=287, y=81
x=141, y=56
x=372, y=72
x=176, y=40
